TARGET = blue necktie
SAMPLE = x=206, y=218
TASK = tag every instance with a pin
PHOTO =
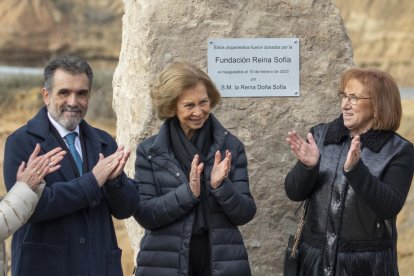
x=70, y=139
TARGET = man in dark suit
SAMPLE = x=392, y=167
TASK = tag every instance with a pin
x=71, y=231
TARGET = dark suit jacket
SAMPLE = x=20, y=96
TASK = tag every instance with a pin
x=71, y=231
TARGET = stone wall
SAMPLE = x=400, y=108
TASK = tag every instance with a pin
x=154, y=34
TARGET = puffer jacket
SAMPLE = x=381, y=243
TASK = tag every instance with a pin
x=167, y=207
x=350, y=222
x=15, y=209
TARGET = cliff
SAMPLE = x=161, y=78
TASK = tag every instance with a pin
x=382, y=34
x=34, y=31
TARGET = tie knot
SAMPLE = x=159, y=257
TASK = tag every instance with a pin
x=70, y=137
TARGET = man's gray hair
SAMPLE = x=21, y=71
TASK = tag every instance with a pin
x=71, y=64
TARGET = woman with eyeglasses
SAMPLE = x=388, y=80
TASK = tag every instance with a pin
x=355, y=173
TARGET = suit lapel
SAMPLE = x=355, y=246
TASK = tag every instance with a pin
x=66, y=165
x=40, y=126
x=93, y=144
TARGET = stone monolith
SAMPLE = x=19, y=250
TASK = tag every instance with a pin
x=158, y=32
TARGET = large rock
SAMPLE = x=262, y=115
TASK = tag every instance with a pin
x=156, y=33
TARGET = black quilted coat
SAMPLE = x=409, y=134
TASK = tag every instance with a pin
x=167, y=204
x=350, y=223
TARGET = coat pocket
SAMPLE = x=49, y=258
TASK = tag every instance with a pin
x=43, y=259
x=113, y=263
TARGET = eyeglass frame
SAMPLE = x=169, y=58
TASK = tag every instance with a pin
x=351, y=97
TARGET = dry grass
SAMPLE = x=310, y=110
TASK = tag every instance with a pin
x=405, y=220
x=407, y=123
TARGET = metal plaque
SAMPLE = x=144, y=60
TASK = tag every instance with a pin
x=254, y=67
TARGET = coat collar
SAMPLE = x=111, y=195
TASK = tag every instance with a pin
x=162, y=144
x=40, y=126
x=372, y=139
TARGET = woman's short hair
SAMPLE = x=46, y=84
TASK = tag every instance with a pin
x=174, y=79
x=383, y=91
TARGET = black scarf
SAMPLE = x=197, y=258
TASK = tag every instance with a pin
x=184, y=150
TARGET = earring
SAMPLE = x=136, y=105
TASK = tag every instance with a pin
x=375, y=115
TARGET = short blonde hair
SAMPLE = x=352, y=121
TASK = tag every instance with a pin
x=384, y=94
x=172, y=81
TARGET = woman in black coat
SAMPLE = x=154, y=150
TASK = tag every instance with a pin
x=193, y=183
x=355, y=173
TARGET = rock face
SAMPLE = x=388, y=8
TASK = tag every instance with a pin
x=154, y=34
x=33, y=31
x=382, y=35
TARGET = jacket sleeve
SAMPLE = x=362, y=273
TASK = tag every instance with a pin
x=386, y=195
x=300, y=181
x=233, y=195
x=122, y=196
x=120, y=193
x=16, y=207
x=157, y=210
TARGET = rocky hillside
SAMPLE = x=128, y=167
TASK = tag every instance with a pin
x=34, y=31
x=382, y=34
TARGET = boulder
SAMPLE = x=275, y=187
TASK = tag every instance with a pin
x=155, y=33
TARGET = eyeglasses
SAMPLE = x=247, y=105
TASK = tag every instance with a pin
x=351, y=97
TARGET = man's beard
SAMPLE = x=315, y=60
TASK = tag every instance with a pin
x=68, y=122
